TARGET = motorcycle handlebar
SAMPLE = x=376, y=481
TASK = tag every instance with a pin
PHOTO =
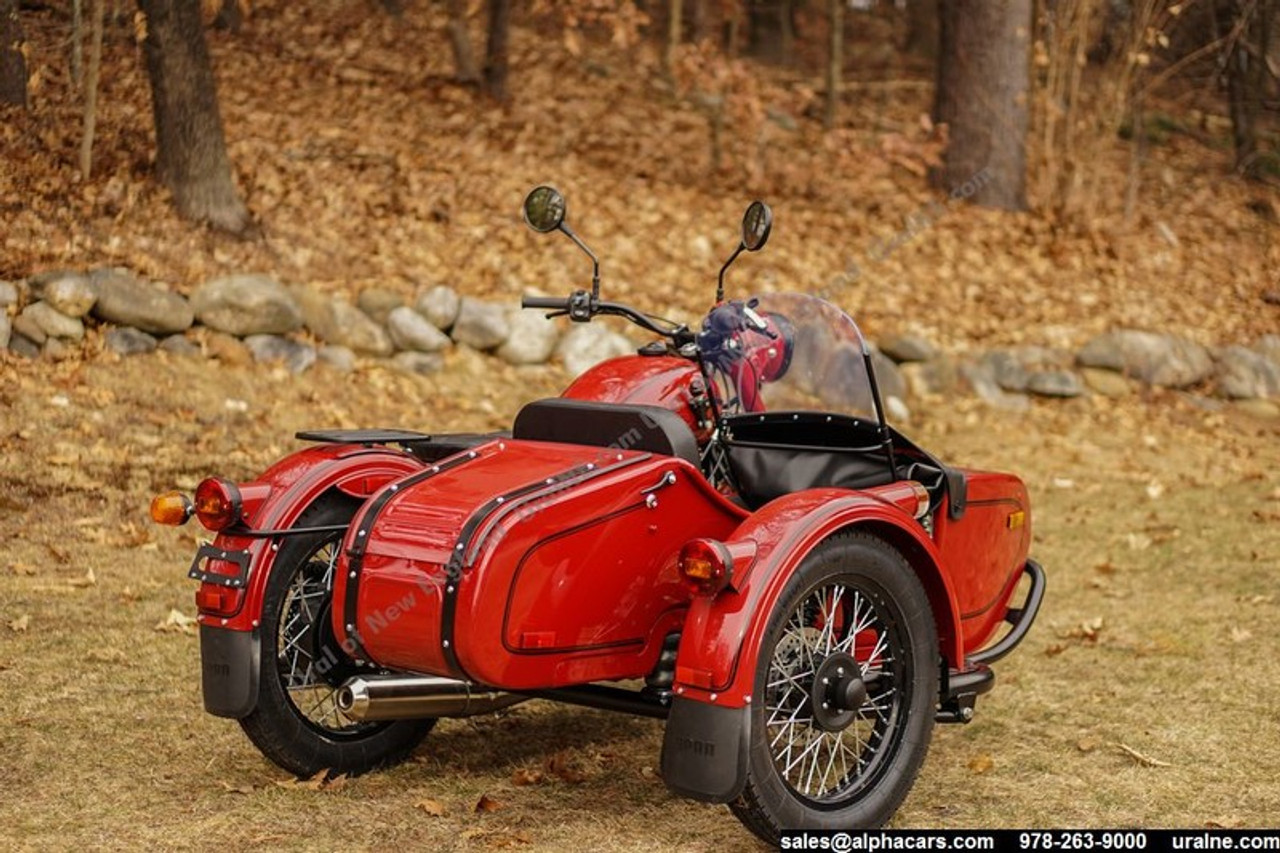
x=553, y=302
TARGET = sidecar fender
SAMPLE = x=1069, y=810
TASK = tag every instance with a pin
x=229, y=646
x=723, y=633
x=704, y=751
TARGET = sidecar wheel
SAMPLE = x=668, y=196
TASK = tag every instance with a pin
x=297, y=723
x=845, y=692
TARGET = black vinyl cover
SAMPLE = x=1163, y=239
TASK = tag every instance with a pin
x=621, y=425
x=778, y=453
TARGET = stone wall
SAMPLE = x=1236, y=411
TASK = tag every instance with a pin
x=255, y=316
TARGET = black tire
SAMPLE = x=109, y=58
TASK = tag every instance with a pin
x=847, y=764
x=296, y=723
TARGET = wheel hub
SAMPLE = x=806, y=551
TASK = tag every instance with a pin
x=331, y=663
x=837, y=693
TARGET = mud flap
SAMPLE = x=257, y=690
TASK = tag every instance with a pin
x=229, y=671
x=704, y=750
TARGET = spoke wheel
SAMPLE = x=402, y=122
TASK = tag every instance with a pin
x=297, y=723
x=309, y=660
x=846, y=685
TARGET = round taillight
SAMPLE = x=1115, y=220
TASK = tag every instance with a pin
x=217, y=504
x=706, y=566
x=172, y=508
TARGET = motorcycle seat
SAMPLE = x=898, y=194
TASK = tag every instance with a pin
x=624, y=426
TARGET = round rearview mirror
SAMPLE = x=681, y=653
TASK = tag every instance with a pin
x=544, y=209
x=756, y=224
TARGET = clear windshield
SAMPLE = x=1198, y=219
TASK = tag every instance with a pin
x=786, y=352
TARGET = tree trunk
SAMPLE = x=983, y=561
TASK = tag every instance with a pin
x=464, y=58
x=944, y=106
x=191, y=152
x=495, y=64
x=922, y=28
x=984, y=79
x=91, y=90
x=13, y=63
x=770, y=33
x=697, y=20
x=675, y=13
x=835, y=61
x=1246, y=72
x=230, y=16
x=77, y=44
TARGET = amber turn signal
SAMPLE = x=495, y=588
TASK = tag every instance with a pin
x=172, y=508
x=217, y=504
x=706, y=566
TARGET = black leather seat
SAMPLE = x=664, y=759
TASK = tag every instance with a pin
x=619, y=425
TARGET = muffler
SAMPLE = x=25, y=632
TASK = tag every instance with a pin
x=406, y=697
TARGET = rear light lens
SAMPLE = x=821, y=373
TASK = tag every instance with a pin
x=706, y=566
x=218, y=504
x=219, y=600
x=172, y=508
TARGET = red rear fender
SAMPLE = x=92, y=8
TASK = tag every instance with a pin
x=722, y=634
x=284, y=491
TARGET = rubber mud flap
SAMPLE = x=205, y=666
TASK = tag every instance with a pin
x=704, y=750
x=229, y=671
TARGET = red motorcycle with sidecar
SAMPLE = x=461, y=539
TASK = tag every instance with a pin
x=721, y=531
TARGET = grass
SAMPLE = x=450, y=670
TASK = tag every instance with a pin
x=1145, y=696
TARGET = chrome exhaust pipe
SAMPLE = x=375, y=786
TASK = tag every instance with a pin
x=405, y=697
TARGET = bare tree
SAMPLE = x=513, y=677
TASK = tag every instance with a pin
x=922, y=28
x=1247, y=25
x=91, y=89
x=770, y=29
x=464, y=58
x=13, y=62
x=191, y=151
x=675, y=15
x=835, y=61
x=230, y=16
x=984, y=78
x=495, y=64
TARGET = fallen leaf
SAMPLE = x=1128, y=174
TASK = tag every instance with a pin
x=177, y=622
x=1055, y=649
x=22, y=569
x=1088, y=743
x=511, y=839
x=88, y=580
x=562, y=767
x=1144, y=760
x=981, y=764
x=1240, y=635
x=1138, y=541
x=315, y=783
x=1063, y=483
x=1155, y=489
x=526, y=776
x=20, y=624
x=435, y=808
x=237, y=789
x=487, y=804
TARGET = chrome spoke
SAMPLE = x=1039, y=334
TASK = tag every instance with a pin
x=304, y=606
x=817, y=761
